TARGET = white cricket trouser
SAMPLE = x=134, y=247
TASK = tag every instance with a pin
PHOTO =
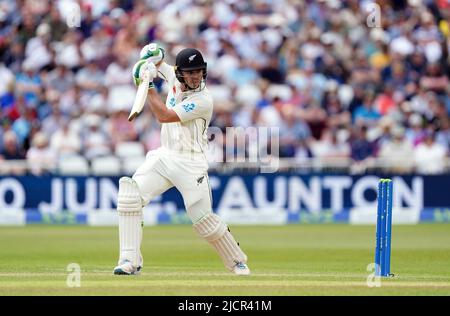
x=164, y=169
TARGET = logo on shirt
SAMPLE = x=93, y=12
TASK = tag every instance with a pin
x=172, y=102
x=189, y=107
x=191, y=58
x=200, y=180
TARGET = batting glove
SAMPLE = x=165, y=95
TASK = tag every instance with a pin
x=153, y=53
x=138, y=71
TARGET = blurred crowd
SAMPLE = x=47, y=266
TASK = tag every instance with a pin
x=340, y=79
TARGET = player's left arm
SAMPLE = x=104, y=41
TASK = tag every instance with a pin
x=162, y=113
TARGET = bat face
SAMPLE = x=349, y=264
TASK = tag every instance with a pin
x=141, y=96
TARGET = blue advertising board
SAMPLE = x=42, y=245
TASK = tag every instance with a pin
x=283, y=197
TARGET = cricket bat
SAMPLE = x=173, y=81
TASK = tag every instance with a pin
x=141, y=96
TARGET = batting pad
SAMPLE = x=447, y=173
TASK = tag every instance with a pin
x=215, y=231
x=129, y=207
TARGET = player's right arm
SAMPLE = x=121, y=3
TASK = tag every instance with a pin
x=190, y=109
x=159, y=109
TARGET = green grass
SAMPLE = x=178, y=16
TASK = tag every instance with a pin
x=285, y=260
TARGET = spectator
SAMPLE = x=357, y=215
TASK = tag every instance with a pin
x=415, y=133
x=429, y=37
x=26, y=28
x=434, y=80
x=416, y=65
x=399, y=77
x=65, y=141
x=11, y=153
x=120, y=129
x=329, y=146
x=95, y=142
x=90, y=78
x=7, y=80
x=443, y=134
x=29, y=84
x=362, y=150
x=41, y=158
x=367, y=114
x=292, y=132
x=67, y=52
x=385, y=102
x=11, y=149
x=38, y=52
x=14, y=56
x=419, y=102
x=125, y=43
x=97, y=46
x=361, y=147
x=60, y=79
x=303, y=151
x=244, y=74
x=316, y=117
x=430, y=156
x=337, y=115
x=23, y=124
x=118, y=72
x=55, y=120
x=271, y=71
x=270, y=115
x=397, y=154
x=58, y=27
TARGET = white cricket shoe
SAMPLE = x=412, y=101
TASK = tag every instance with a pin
x=126, y=268
x=241, y=269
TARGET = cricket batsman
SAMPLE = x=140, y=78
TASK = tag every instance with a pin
x=179, y=162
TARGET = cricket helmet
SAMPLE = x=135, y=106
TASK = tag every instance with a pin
x=189, y=59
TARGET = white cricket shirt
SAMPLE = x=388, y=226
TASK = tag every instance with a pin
x=194, y=110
